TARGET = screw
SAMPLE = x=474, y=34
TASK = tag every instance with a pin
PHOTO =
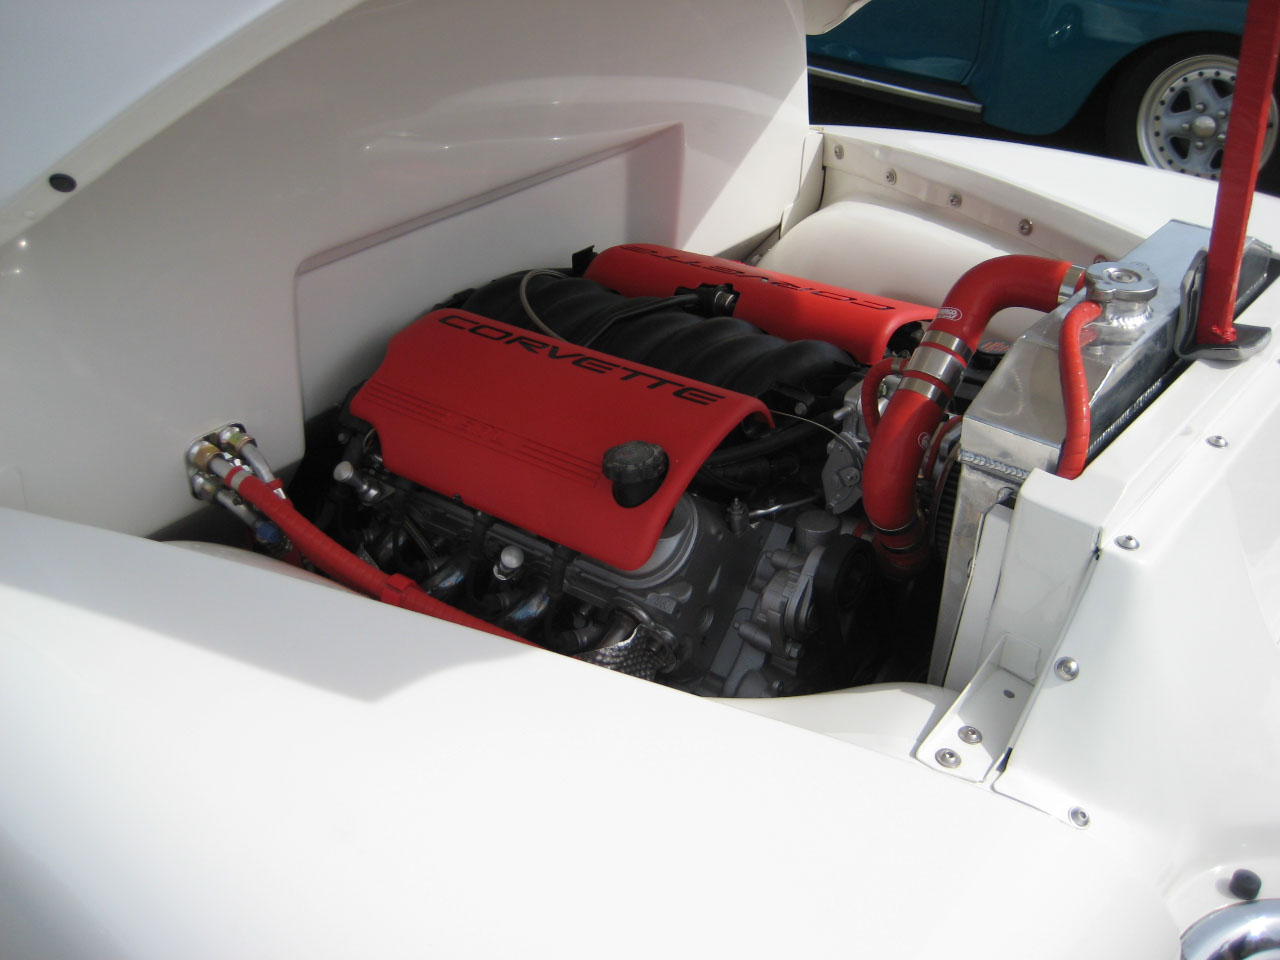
x=1025, y=227
x=1127, y=542
x=1067, y=668
x=891, y=177
x=1079, y=816
x=839, y=151
x=970, y=735
x=948, y=758
x=955, y=200
x=1216, y=441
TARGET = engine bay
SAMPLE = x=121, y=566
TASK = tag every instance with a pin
x=647, y=460
x=725, y=479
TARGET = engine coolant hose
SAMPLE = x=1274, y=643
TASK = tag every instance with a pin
x=341, y=564
x=1075, y=389
x=928, y=382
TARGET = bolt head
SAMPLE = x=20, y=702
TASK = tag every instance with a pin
x=1025, y=227
x=1127, y=542
x=955, y=200
x=1200, y=108
x=948, y=758
x=1079, y=816
x=1067, y=668
x=839, y=151
x=1216, y=440
x=970, y=734
x=891, y=177
x=794, y=650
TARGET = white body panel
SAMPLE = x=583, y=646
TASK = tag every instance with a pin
x=206, y=758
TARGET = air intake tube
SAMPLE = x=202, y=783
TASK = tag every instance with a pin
x=928, y=382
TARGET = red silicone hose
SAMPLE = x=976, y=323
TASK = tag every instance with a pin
x=344, y=566
x=902, y=435
x=1075, y=389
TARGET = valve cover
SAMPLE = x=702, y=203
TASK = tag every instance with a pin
x=517, y=426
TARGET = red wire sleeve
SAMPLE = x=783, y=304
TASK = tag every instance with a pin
x=1075, y=389
x=346, y=567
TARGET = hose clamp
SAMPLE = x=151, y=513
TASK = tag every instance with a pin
x=950, y=342
x=938, y=364
x=1070, y=282
x=930, y=391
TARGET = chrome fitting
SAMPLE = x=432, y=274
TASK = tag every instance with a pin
x=200, y=453
x=1124, y=290
x=232, y=437
x=369, y=491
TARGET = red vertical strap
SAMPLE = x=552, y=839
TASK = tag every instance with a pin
x=1250, y=108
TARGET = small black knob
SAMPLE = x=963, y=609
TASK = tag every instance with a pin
x=1245, y=885
x=637, y=469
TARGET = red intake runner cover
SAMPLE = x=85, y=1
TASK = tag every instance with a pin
x=785, y=306
x=517, y=425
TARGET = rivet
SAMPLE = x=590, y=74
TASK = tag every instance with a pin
x=1127, y=542
x=947, y=757
x=970, y=734
x=1216, y=441
x=1025, y=227
x=839, y=151
x=1067, y=668
x=1079, y=816
x=955, y=200
x=891, y=177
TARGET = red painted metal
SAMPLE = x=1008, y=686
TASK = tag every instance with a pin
x=517, y=425
x=785, y=306
x=1075, y=389
x=1250, y=109
x=902, y=437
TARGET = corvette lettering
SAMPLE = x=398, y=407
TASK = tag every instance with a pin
x=565, y=353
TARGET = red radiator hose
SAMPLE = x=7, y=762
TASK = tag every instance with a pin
x=928, y=381
x=1075, y=389
x=344, y=566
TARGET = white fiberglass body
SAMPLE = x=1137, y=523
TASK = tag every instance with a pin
x=205, y=757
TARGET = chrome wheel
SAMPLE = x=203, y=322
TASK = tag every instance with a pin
x=1182, y=119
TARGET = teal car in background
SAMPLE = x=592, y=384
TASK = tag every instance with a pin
x=1159, y=75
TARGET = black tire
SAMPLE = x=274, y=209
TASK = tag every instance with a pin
x=1152, y=114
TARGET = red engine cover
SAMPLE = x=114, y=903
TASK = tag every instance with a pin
x=517, y=426
x=784, y=306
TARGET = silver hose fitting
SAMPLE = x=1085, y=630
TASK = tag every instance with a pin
x=1235, y=932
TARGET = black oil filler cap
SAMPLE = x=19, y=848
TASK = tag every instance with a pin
x=637, y=469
